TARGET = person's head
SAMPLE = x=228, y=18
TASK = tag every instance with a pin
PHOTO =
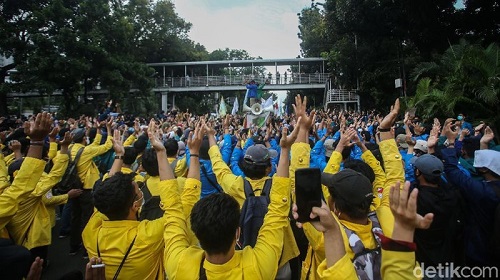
x=205, y=146
x=172, y=147
x=361, y=167
x=351, y=194
x=346, y=152
x=420, y=147
x=130, y=156
x=150, y=162
x=215, y=222
x=329, y=147
x=118, y=197
x=401, y=141
x=461, y=117
x=79, y=135
x=420, y=128
x=141, y=143
x=427, y=169
x=257, y=161
x=469, y=146
x=487, y=164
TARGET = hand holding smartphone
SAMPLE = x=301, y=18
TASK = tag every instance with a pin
x=307, y=192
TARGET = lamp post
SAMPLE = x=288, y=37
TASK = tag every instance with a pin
x=230, y=74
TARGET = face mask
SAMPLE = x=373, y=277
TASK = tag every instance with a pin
x=460, y=118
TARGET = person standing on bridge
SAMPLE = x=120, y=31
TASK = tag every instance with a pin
x=252, y=92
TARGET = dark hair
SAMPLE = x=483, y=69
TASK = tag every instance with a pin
x=214, y=221
x=130, y=155
x=172, y=147
x=150, y=162
x=92, y=134
x=470, y=145
x=254, y=171
x=366, y=135
x=205, y=146
x=141, y=143
x=346, y=152
x=361, y=167
x=114, y=196
x=353, y=211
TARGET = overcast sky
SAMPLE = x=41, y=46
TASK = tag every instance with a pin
x=261, y=27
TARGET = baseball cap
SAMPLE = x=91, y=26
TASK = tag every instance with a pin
x=259, y=154
x=329, y=148
x=421, y=145
x=489, y=159
x=351, y=186
x=401, y=140
x=428, y=165
x=78, y=134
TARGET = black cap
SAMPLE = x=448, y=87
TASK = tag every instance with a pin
x=350, y=185
x=428, y=165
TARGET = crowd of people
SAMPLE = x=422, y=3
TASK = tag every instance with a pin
x=168, y=197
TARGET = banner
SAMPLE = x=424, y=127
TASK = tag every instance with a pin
x=257, y=120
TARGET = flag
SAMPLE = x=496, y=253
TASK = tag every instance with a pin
x=222, y=107
x=268, y=102
x=235, y=106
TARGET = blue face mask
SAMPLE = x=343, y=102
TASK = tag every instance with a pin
x=460, y=118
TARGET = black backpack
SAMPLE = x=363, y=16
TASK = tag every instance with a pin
x=253, y=212
x=70, y=180
x=151, y=209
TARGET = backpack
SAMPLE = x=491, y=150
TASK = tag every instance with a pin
x=151, y=209
x=366, y=261
x=70, y=180
x=253, y=212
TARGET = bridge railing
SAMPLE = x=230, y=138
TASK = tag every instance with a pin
x=232, y=80
x=341, y=95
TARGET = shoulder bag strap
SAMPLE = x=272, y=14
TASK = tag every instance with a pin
x=124, y=258
x=204, y=170
x=266, y=190
x=247, y=188
x=78, y=154
x=145, y=190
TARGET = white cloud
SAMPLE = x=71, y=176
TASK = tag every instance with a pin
x=263, y=28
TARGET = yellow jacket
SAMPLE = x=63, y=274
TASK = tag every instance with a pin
x=234, y=186
x=395, y=265
x=22, y=186
x=51, y=202
x=31, y=225
x=394, y=172
x=261, y=262
x=145, y=260
x=87, y=169
x=181, y=167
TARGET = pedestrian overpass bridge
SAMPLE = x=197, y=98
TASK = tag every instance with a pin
x=302, y=74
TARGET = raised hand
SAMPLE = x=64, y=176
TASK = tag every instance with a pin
x=389, y=120
x=118, y=143
x=38, y=130
x=287, y=141
x=153, y=137
x=68, y=138
x=404, y=209
x=53, y=134
x=14, y=146
x=300, y=107
x=488, y=135
x=195, y=138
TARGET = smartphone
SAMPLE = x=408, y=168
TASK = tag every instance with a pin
x=307, y=192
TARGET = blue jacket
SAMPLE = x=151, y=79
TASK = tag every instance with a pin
x=252, y=90
x=207, y=188
x=481, y=202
